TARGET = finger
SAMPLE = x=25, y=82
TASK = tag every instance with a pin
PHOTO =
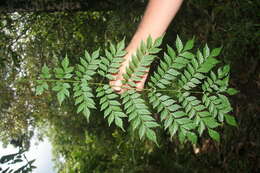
x=140, y=84
x=116, y=85
x=124, y=88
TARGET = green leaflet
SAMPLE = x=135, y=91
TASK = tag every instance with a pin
x=189, y=45
x=62, y=91
x=172, y=116
x=178, y=44
x=43, y=85
x=112, y=61
x=217, y=105
x=139, y=115
x=62, y=73
x=194, y=72
x=141, y=61
x=88, y=66
x=84, y=98
x=232, y=91
x=215, y=52
x=173, y=62
x=230, y=120
x=214, y=135
x=187, y=93
x=198, y=113
x=208, y=65
x=108, y=101
x=45, y=72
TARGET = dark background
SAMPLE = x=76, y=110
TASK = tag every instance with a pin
x=32, y=32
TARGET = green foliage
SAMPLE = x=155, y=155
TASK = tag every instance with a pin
x=82, y=92
x=172, y=116
x=140, y=63
x=139, y=115
x=111, y=62
x=184, y=91
x=61, y=86
x=43, y=85
x=111, y=106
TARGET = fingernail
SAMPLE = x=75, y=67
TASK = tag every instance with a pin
x=117, y=85
x=117, y=89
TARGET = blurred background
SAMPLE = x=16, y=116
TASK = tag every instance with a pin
x=38, y=32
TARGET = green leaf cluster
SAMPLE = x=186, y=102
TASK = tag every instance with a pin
x=141, y=61
x=61, y=85
x=43, y=85
x=185, y=92
x=139, y=115
x=110, y=105
x=112, y=61
x=83, y=93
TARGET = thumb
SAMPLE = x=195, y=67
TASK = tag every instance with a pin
x=116, y=85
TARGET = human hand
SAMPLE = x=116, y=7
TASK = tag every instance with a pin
x=118, y=85
x=155, y=21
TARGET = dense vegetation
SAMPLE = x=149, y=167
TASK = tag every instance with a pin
x=33, y=38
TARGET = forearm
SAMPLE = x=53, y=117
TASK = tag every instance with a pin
x=156, y=19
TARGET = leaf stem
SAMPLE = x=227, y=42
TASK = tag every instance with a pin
x=101, y=84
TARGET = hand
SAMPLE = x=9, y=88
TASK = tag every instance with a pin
x=155, y=21
x=117, y=84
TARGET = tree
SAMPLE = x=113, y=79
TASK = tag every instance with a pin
x=17, y=159
x=10, y=6
x=27, y=39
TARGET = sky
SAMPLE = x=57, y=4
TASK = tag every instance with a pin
x=41, y=152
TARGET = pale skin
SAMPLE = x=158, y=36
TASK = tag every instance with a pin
x=157, y=17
